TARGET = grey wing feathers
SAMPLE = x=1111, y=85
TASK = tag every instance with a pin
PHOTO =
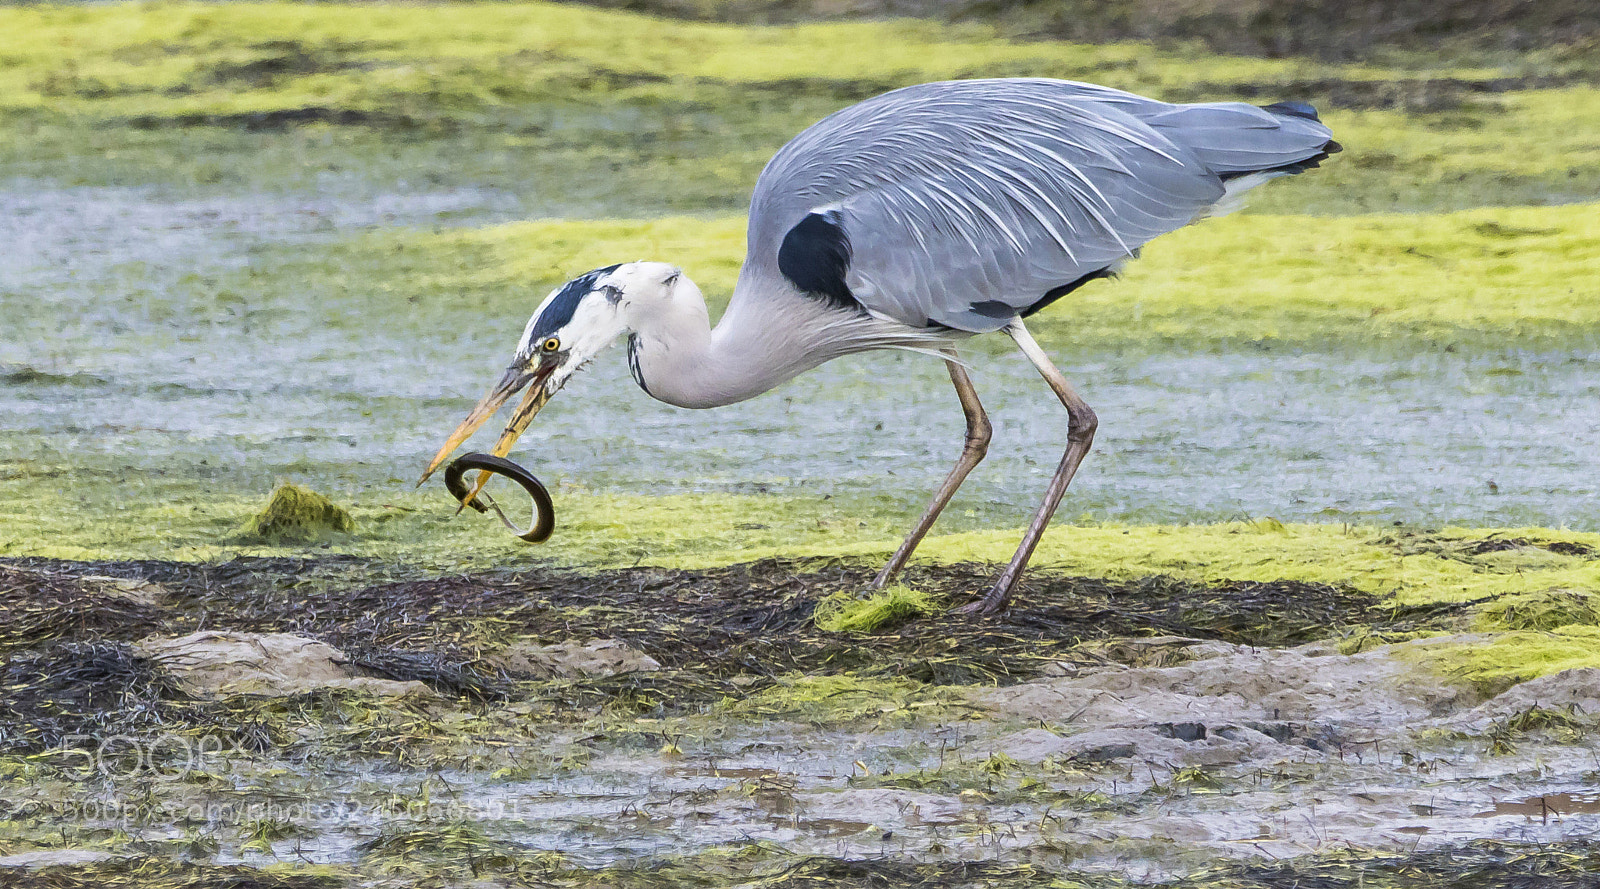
x=963, y=204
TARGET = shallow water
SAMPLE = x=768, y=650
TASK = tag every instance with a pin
x=134, y=340
x=639, y=808
x=1354, y=765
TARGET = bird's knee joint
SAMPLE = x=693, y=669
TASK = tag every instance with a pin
x=979, y=435
x=1082, y=423
x=982, y=431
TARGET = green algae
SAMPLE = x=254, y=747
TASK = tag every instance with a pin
x=662, y=115
x=459, y=849
x=1548, y=31
x=436, y=96
x=1367, y=559
x=1542, y=610
x=181, y=520
x=851, y=613
x=765, y=866
x=38, y=607
x=1000, y=780
x=297, y=515
x=280, y=97
x=479, y=58
x=1493, y=664
x=311, y=744
x=152, y=872
x=1565, y=726
x=844, y=699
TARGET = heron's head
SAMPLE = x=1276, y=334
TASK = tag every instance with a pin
x=575, y=322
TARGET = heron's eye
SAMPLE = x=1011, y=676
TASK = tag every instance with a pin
x=552, y=344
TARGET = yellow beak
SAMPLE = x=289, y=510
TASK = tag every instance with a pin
x=514, y=380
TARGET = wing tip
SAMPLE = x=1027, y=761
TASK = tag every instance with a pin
x=1303, y=110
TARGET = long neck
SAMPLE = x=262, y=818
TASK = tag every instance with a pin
x=762, y=341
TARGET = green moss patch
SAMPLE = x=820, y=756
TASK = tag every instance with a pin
x=1360, y=29
x=555, y=88
x=412, y=534
x=838, y=699
x=1494, y=664
x=297, y=515
x=1544, y=610
x=1367, y=280
x=851, y=613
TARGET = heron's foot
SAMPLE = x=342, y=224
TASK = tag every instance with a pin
x=995, y=602
x=884, y=578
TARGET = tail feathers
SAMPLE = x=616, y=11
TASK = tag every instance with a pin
x=1244, y=145
x=1303, y=111
x=1329, y=147
x=1237, y=182
x=1234, y=139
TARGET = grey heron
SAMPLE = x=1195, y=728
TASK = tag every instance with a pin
x=915, y=220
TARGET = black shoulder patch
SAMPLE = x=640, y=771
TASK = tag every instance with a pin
x=556, y=315
x=815, y=256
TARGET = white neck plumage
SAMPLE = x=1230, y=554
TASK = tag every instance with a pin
x=761, y=341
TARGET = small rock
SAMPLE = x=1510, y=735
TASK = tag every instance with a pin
x=1056, y=669
x=1281, y=732
x=214, y=664
x=572, y=660
x=142, y=592
x=1370, y=690
x=55, y=858
x=1182, y=731
x=1105, y=753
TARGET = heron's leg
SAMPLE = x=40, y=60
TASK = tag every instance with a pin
x=1081, y=424
x=978, y=434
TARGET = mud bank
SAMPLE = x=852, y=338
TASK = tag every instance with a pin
x=663, y=728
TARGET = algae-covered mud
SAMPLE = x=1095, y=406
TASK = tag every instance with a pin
x=1323, y=607
x=176, y=722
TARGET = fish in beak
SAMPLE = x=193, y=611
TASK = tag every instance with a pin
x=515, y=380
x=572, y=325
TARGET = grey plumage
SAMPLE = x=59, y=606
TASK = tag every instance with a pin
x=992, y=193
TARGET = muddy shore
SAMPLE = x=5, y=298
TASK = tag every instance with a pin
x=182, y=724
